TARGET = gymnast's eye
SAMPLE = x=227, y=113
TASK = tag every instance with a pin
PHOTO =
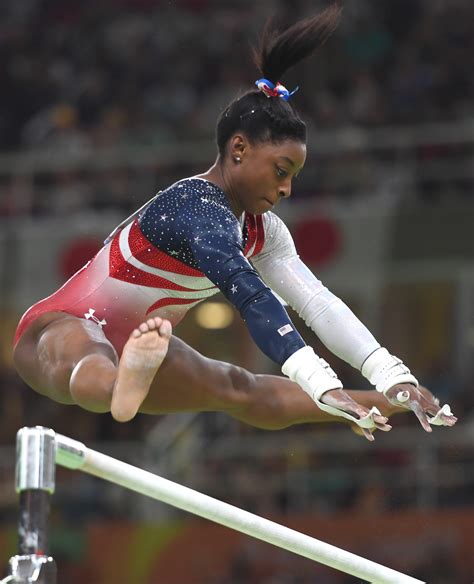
x=281, y=171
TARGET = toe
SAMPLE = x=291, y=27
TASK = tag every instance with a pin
x=143, y=327
x=151, y=324
x=165, y=329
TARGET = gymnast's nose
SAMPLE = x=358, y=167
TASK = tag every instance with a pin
x=284, y=191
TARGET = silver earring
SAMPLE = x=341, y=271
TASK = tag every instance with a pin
x=237, y=159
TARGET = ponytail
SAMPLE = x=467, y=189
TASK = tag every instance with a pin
x=280, y=50
x=257, y=115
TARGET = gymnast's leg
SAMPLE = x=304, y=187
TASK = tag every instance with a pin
x=71, y=361
x=189, y=381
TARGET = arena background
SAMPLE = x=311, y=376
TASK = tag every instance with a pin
x=102, y=103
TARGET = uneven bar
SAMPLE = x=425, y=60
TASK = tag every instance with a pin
x=77, y=456
x=35, y=483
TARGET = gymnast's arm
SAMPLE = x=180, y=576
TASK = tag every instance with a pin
x=338, y=327
x=211, y=239
x=328, y=316
x=219, y=255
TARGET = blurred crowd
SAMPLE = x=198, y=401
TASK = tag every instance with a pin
x=85, y=81
x=95, y=73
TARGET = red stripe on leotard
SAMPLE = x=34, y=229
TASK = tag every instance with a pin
x=251, y=225
x=260, y=235
x=147, y=253
x=120, y=269
x=255, y=234
x=170, y=301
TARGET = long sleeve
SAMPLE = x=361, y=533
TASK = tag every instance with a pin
x=329, y=317
x=202, y=231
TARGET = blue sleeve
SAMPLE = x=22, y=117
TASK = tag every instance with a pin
x=215, y=242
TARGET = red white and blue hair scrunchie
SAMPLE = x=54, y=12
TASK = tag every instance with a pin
x=272, y=90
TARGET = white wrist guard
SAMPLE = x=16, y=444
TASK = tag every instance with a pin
x=311, y=373
x=384, y=371
x=315, y=376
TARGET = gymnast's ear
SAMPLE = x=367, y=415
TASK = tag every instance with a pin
x=238, y=145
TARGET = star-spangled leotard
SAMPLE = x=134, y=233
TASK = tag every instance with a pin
x=185, y=246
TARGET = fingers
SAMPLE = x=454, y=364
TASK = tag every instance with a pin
x=423, y=404
x=426, y=393
x=381, y=423
x=448, y=420
x=410, y=397
x=444, y=417
x=432, y=415
x=419, y=412
x=368, y=434
x=339, y=399
x=440, y=416
x=363, y=432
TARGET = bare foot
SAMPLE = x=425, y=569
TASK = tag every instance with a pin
x=141, y=358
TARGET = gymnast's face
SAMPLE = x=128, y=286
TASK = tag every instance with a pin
x=261, y=174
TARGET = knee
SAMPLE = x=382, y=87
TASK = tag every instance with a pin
x=266, y=404
x=253, y=399
x=51, y=381
x=92, y=382
x=234, y=389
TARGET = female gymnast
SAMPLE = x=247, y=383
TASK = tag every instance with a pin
x=103, y=340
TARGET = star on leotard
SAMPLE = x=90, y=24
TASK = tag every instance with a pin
x=234, y=289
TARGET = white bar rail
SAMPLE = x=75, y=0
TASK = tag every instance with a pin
x=75, y=455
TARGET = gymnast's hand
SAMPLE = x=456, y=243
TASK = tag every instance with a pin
x=422, y=403
x=339, y=399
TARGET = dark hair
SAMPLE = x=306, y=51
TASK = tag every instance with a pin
x=273, y=119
